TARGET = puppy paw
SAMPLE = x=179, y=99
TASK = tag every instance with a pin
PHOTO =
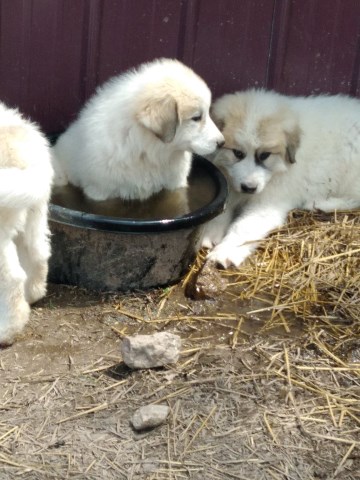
x=35, y=292
x=13, y=322
x=226, y=255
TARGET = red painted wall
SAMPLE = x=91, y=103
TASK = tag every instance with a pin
x=53, y=53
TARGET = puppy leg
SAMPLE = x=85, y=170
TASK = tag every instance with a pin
x=60, y=177
x=215, y=230
x=34, y=252
x=332, y=204
x=14, y=310
x=241, y=239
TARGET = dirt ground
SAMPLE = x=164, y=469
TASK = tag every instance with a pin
x=248, y=399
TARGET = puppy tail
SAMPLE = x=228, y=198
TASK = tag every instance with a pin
x=24, y=188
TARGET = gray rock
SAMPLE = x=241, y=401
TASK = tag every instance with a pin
x=150, y=416
x=147, y=351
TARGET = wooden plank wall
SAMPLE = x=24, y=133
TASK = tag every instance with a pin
x=53, y=53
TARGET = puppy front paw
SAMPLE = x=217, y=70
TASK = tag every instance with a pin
x=227, y=255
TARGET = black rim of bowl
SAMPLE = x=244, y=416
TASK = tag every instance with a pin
x=92, y=221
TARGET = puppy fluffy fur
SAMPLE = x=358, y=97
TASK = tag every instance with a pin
x=25, y=184
x=136, y=134
x=281, y=153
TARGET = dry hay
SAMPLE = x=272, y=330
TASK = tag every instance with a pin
x=253, y=406
x=309, y=268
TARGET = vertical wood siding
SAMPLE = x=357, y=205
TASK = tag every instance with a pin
x=53, y=53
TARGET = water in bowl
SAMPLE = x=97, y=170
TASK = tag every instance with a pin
x=163, y=205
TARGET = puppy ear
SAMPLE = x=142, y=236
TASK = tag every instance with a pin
x=292, y=143
x=160, y=116
x=219, y=122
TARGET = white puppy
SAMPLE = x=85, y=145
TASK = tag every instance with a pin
x=282, y=153
x=136, y=135
x=25, y=184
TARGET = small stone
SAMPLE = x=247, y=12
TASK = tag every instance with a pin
x=150, y=416
x=148, y=351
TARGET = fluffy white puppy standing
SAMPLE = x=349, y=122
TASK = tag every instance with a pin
x=282, y=153
x=135, y=136
x=25, y=184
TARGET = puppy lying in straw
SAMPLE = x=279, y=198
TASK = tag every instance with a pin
x=136, y=135
x=25, y=183
x=281, y=153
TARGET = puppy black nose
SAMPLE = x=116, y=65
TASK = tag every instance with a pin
x=245, y=188
x=220, y=144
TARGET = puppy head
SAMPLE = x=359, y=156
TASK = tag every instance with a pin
x=174, y=105
x=196, y=131
x=261, y=138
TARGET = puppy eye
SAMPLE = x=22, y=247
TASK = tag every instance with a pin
x=239, y=154
x=197, y=118
x=264, y=155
